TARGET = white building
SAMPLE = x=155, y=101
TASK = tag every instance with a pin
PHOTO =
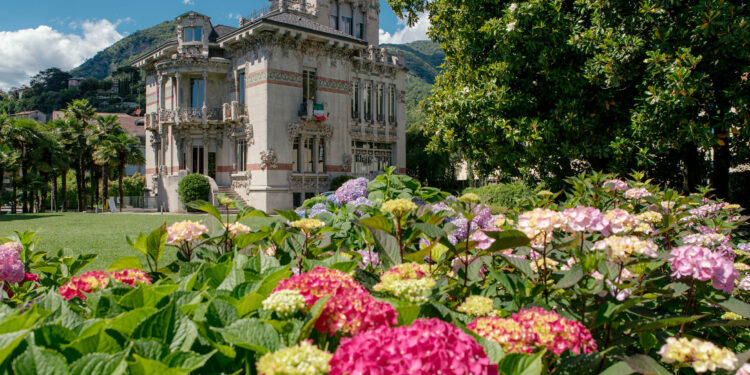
x=299, y=93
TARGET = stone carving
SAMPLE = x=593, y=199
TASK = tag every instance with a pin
x=268, y=159
x=309, y=128
x=155, y=140
x=242, y=180
x=249, y=134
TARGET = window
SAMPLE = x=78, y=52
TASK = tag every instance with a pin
x=335, y=15
x=296, y=199
x=379, y=103
x=371, y=157
x=242, y=88
x=198, y=89
x=392, y=104
x=321, y=167
x=295, y=155
x=242, y=155
x=307, y=156
x=346, y=23
x=361, y=26
x=368, y=101
x=308, y=85
x=355, y=99
x=192, y=34
x=347, y=16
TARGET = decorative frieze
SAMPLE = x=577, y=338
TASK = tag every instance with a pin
x=300, y=182
x=268, y=159
x=242, y=180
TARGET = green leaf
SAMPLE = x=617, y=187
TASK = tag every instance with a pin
x=187, y=360
x=619, y=368
x=9, y=342
x=159, y=326
x=252, y=334
x=140, y=243
x=388, y=245
x=125, y=263
x=145, y=366
x=570, y=277
x=432, y=231
x=206, y=207
x=100, y=342
x=520, y=264
x=247, y=239
x=23, y=320
x=155, y=243
x=493, y=349
x=185, y=334
x=289, y=215
x=407, y=314
x=378, y=222
x=35, y=360
x=150, y=349
x=53, y=336
x=644, y=364
x=507, y=239
x=100, y=364
x=663, y=323
x=236, y=275
x=126, y=322
x=249, y=303
x=736, y=306
x=146, y=295
x=315, y=312
x=521, y=364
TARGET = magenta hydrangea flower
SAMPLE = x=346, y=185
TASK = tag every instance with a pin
x=702, y=264
x=586, y=219
x=351, y=190
x=368, y=258
x=427, y=347
x=11, y=267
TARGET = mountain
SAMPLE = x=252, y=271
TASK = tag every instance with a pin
x=125, y=50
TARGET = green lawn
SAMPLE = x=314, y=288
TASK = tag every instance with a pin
x=102, y=234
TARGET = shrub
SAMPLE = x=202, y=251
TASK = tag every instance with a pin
x=502, y=197
x=194, y=187
x=337, y=181
x=131, y=186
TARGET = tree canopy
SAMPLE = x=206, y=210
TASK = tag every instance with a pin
x=546, y=88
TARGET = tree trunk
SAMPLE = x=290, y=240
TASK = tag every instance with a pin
x=105, y=185
x=13, y=209
x=94, y=188
x=53, y=202
x=692, y=168
x=720, y=175
x=119, y=182
x=2, y=188
x=81, y=182
x=64, y=181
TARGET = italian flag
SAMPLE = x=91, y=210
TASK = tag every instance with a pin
x=318, y=112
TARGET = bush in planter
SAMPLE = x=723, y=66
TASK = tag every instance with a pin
x=337, y=181
x=194, y=187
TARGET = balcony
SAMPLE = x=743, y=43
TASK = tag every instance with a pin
x=391, y=119
x=190, y=115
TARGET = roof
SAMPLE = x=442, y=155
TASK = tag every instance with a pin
x=220, y=31
x=128, y=123
x=26, y=112
x=303, y=22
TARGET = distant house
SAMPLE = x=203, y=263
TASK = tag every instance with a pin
x=35, y=115
x=133, y=125
x=75, y=81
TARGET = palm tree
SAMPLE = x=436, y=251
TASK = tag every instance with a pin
x=128, y=152
x=103, y=139
x=22, y=133
x=80, y=111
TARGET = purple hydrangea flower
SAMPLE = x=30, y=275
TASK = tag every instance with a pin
x=615, y=184
x=369, y=258
x=318, y=209
x=361, y=201
x=351, y=190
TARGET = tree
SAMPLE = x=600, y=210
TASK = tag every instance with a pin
x=536, y=87
x=103, y=139
x=128, y=152
x=81, y=112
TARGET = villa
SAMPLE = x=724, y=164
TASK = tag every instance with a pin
x=272, y=110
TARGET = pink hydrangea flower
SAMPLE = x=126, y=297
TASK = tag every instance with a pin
x=586, y=219
x=16, y=246
x=619, y=221
x=351, y=309
x=702, y=264
x=131, y=277
x=11, y=267
x=92, y=281
x=535, y=328
x=185, y=231
x=615, y=185
x=427, y=347
x=637, y=193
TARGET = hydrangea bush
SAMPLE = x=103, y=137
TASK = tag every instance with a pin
x=612, y=276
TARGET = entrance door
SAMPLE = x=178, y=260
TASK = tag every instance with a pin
x=198, y=160
x=212, y=165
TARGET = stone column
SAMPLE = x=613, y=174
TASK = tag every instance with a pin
x=189, y=155
x=205, y=91
x=177, y=98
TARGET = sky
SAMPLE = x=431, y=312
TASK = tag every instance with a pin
x=39, y=34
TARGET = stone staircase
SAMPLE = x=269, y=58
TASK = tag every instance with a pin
x=231, y=194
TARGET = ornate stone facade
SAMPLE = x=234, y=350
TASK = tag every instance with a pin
x=276, y=107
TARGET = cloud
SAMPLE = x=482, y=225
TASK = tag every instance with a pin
x=188, y=2
x=407, y=34
x=25, y=52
